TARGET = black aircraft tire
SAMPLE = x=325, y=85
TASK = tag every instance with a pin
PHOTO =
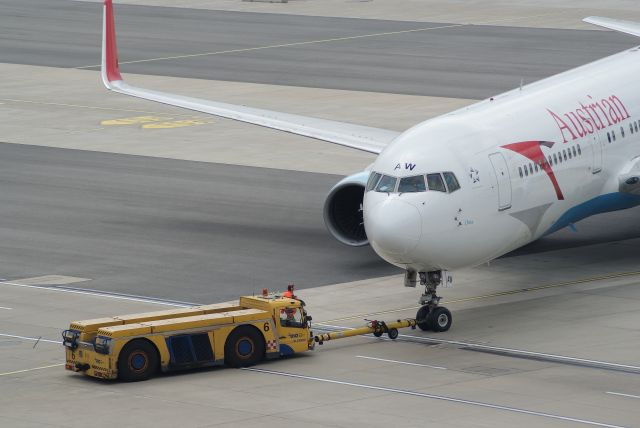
x=422, y=318
x=440, y=319
x=138, y=360
x=244, y=347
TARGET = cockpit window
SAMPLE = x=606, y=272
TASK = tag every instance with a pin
x=412, y=184
x=386, y=184
x=373, y=180
x=452, y=181
x=435, y=182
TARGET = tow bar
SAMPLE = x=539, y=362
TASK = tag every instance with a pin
x=375, y=327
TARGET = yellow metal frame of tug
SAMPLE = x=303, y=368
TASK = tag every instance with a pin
x=95, y=347
x=134, y=347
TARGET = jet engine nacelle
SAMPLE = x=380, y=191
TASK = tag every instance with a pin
x=343, y=210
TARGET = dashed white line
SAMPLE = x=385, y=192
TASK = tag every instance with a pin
x=623, y=395
x=511, y=351
x=35, y=339
x=30, y=370
x=4, y=307
x=106, y=294
x=401, y=362
x=438, y=397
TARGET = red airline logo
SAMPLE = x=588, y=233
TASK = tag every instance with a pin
x=533, y=150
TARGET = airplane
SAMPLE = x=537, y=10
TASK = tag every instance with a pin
x=466, y=187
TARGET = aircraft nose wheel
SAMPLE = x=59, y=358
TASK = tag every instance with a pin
x=422, y=318
x=438, y=320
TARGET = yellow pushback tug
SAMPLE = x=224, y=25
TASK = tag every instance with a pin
x=134, y=347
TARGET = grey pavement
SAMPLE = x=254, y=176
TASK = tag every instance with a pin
x=454, y=61
x=362, y=381
x=190, y=231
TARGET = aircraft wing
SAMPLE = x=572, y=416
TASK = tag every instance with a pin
x=359, y=137
x=628, y=27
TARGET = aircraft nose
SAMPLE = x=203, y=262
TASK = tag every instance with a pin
x=394, y=228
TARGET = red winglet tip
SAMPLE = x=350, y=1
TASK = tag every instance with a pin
x=111, y=54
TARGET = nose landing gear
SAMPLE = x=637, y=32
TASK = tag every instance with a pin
x=431, y=316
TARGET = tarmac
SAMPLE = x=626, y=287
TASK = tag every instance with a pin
x=111, y=205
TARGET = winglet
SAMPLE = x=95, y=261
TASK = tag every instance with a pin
x=110, y=68
x=628, y=27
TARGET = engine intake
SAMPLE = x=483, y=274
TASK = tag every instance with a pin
x=343, y=213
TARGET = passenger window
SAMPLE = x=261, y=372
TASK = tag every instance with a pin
x=434, y=181
x=635, y=126
x=452, y=181
x=631, y=128
x=530, y=169
x=536, y=166
x=573, y=149
x=550, y=160
x=609, y=137
x=412, y=184
x=520, y=171
x=559, y=157
x=579, y=151
x=569, y=152
x=613, y=135
x=564, y=153
x=526, y=171
x=291, y=317
x=386, y=184
x=373, y=180
x=622, y=131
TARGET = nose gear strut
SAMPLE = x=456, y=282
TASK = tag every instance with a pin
x=432, y=316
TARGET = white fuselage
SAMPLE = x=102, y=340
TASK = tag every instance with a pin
x=500, y=206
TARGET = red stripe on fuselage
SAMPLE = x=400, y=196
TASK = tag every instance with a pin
x=532, y=150
x=111, y=54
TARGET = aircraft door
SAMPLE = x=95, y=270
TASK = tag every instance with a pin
x=596, y=147
x=503, y=180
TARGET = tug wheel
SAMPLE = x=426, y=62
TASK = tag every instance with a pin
x=244, y=347
x=138, y=360
x=393, y=333
x=377, y=333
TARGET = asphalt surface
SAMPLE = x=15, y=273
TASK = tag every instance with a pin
x=191, y=231
x=455, y=61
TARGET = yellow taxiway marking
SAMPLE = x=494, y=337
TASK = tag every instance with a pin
x=500, y=294
x=156, y=122
x=134, y=120
x=46, y=103
x=176, y=124
x=30, y=370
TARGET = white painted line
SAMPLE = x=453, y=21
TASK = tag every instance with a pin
x=35, y=339
x=98, y=293
x=437, y=397
x=498, y=349
x=284, y=45
x=401, y=362
x=30, y=370
x=622, y=395
x=3, y=307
